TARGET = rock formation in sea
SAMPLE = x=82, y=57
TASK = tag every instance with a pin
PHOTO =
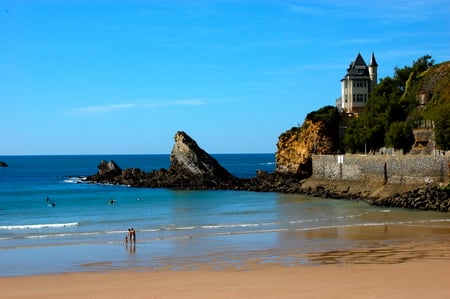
x=190, y=168
x=3, y=164
x=193, y=168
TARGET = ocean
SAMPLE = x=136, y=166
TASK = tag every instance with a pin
x=51, y=221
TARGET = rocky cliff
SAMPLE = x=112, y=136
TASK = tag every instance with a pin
x=318, y=134
x=296, y=146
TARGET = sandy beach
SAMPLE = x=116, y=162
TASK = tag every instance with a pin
x=416, y=278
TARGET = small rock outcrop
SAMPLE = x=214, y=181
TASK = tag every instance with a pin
x=3, y=164
x=108, y=169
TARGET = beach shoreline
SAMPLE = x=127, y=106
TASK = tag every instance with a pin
x=360, y=244
x=425, y=278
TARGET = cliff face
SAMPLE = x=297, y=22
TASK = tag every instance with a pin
x=296, y=146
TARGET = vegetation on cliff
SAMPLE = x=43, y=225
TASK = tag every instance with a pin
x=435, y=84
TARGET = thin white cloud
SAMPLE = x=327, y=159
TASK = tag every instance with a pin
x=143, y=104
x=104, y=108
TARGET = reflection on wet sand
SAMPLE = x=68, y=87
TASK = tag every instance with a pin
x=391, y=254
x=376, y=232
x=365, y=244
x=390, y=244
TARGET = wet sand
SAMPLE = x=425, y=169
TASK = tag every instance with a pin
x=425, y=279
x=398, y=271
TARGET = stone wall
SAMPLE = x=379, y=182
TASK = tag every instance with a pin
x=408, y=169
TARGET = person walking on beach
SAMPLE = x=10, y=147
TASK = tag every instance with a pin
x=133, y=235
x=128, y=236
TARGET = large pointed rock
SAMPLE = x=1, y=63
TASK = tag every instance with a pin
x=189, y=161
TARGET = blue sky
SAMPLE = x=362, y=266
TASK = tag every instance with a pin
x=121, y=77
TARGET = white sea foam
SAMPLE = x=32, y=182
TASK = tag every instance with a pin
x=39, y=226
x=173, y=227
x=75, y=179
x=368, y=224
x=62, y=235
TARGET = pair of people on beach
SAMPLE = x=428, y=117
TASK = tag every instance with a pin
x=131, y=237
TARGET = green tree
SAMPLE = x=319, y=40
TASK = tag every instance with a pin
x=400, y=136
x=353, y=140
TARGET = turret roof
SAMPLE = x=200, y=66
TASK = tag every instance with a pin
x=373, y=62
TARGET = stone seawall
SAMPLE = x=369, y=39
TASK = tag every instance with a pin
x=383, y=169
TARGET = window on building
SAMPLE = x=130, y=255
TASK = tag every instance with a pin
x=360, y=83
x=360, y=98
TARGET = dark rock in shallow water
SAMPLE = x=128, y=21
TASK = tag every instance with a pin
x=108, y=172
x=3, y=164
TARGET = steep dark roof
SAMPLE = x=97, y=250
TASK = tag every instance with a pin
x=358, y=69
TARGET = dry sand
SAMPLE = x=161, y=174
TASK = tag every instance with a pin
x=412, y=279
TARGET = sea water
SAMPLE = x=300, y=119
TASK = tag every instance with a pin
x=52, y=221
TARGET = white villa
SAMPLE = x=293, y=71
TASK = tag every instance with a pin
x=357, y=85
